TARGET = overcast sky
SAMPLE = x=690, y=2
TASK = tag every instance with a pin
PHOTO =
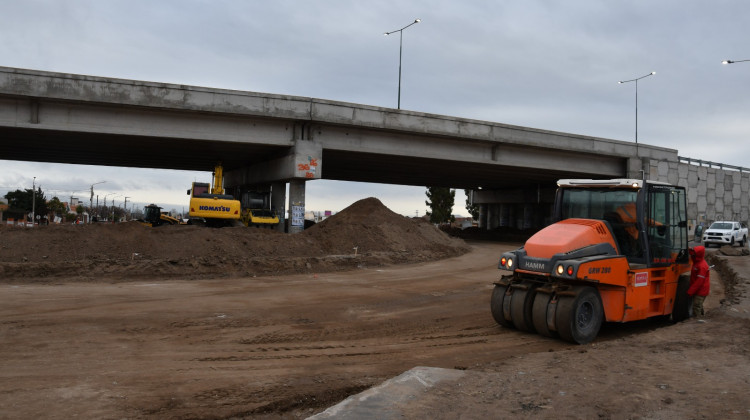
x=552, y=65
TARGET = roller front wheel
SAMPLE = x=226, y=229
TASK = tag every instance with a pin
x=499, y=304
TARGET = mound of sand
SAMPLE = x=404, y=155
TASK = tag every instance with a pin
x=372, y=227
x=132, y=251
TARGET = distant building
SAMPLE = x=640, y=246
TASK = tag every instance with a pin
x=318, y=216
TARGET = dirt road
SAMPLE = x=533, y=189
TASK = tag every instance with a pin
x=290, y=346
x=242, y=346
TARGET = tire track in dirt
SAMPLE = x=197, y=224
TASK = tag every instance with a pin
x=276, y=346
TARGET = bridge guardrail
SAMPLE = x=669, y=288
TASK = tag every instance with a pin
x=701, y=162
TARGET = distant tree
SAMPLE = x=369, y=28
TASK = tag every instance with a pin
x=118, y=213
x=56, y=206
x=79, y=209
x=473, y=209
x=440, y=200
x=20, y=203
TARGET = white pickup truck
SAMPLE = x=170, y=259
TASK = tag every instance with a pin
x=725, y=233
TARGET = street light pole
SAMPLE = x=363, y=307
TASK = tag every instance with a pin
x=636, y=103
x=732, y=61
x=91, y=200
x=400, y=50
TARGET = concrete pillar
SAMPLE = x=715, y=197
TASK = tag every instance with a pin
x=278, y=203
x=492, y=214
x=503, y=219
x=482, y=222
x=528, y=216
x=297, y=205
x=636, y=167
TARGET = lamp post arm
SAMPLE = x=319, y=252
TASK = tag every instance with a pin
x=637, y=79
x=399, y=30
x=400, y=54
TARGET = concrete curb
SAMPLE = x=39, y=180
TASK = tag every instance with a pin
x=383, y=401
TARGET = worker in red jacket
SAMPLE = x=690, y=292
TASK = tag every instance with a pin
x=699, y=280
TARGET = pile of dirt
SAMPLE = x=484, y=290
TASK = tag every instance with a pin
x=371, y=227
x=731, y=251
x=364, y=234
x=501, y=234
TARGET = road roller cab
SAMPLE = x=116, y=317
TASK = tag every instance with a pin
x=617, y=253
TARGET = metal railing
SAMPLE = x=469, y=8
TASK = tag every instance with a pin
x=710, y=164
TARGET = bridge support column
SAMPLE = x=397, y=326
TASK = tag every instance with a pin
x=278, y=203
x=504, y=215
x=302, y=163
x=482, y=222
x=297, y=205
x=637, y=168
x=492, y=212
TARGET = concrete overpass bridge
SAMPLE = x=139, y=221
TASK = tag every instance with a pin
x=266, y=140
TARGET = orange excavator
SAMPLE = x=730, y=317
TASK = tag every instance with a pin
x=617, y=253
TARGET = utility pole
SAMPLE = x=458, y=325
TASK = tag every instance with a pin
x=33, y=201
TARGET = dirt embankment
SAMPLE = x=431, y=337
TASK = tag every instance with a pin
x=365, y=233
x=290, y=346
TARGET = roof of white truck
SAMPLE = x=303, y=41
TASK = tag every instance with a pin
x=618, y=182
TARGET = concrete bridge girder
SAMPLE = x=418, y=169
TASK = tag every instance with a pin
x=129, y=121
x=476, y=152
x=273, y=139
x=134, y=137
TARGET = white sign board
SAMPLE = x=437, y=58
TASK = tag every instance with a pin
x=298, y=215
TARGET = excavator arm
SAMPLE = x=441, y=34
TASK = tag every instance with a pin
x=218, y=181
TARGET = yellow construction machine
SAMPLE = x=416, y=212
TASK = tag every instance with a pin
x=210, y=205
x=153, y=216
x=256, y=210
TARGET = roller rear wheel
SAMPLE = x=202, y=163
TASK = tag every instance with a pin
x=498, y=303
x=579, y=317
x=681, y=308
x=521, y=304
x=539, y=313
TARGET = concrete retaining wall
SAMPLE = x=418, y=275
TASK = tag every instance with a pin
x=712, y=193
